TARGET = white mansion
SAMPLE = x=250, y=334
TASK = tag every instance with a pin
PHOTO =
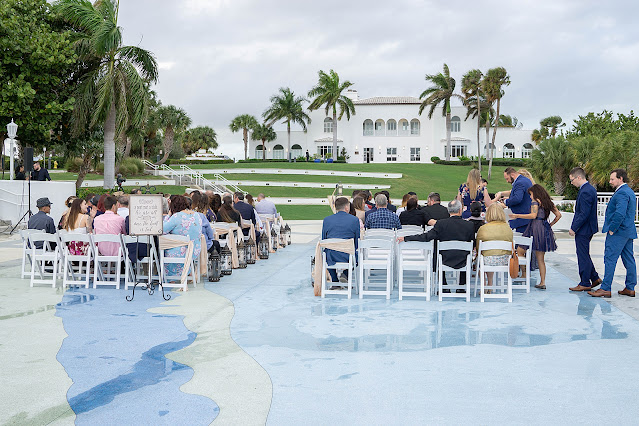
x=389, y=129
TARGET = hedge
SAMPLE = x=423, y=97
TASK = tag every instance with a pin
x=178, y=162
x=505, y=162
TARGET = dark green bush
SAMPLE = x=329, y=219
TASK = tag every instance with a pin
x=177, y=162
x=435, y=159
x=73, y=165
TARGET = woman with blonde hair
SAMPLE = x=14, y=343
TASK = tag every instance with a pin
x=473, y=190
x=402, y=208
x=525, y=172
x=360, y=209
x=495, y=229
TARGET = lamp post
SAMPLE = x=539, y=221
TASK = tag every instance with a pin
x=12, y=130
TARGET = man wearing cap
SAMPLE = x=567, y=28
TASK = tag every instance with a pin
x=42, y=220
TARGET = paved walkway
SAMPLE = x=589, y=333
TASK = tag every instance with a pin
x=258, y=347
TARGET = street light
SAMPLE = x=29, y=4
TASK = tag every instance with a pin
x=12, y=130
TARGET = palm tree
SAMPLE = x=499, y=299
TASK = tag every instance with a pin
x=551, y=124
x=172, y=120
x=552, y=161
x=265, y=133
x=442, y=90
x=112, y=90
x=471, y=88
x=246, y=122
x=289, y=108
x=328, y=92
x=493, y=86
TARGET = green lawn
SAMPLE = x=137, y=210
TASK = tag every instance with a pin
x=289, y=212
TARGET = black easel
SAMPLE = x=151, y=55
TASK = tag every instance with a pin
x=28, y=212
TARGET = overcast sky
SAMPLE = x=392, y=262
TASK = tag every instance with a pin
x=222, y=58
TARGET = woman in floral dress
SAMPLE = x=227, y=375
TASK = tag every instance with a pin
x=183, y=221
x=75, y=222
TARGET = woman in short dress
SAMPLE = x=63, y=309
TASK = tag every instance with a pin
x=540, y=229
x=495, y=229
x=183, y=221
x=75, y=222
x=473, y=190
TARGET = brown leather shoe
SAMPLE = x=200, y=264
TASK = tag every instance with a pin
x=627, y=292
x=580, y=288
x=600, y=293
x=596, y=283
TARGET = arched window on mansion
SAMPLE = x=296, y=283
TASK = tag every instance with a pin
x=368, y=128
x=278, y=152
x=379, y=128
x=485, y=152
x=403, y=127
x=328, y=125
x=296, y=151
x=259, y=153
x=455, y=124
x=391, y=127
x=526, y=150
x=414, y=127
x=509, y=150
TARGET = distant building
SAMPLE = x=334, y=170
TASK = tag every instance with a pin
x=389, y=129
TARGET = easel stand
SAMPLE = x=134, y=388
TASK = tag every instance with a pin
x=149, y=286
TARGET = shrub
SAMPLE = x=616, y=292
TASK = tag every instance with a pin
x=73, y=165
x=127, y=169
x=83, y=192
x=174, y=162
x=256, y=160
x=566, y=207
x=99, y=168
x=131, y=166
x=435, y=159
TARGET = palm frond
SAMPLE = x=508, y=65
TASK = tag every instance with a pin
x=143, y=60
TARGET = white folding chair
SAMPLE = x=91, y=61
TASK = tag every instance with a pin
x=170, y=280
x=41, y=256
x=466, y=246
x=106, y=268
x=416, y=228
x=71, y=271
x=523, y=282
x=375, y=255
x=497, y=291
x=415, y=256
x=379, y=232
x=338, y=267
x=26, y=251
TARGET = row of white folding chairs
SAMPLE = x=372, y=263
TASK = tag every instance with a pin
x=377, y=254
x=55, y=256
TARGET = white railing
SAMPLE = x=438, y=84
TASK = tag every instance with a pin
x=602, y=203
x=219, y=178
x=150, y=165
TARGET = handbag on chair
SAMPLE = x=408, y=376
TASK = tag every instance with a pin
x=513, y=263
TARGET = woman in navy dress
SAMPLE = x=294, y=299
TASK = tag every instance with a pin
x=540, y=229
x=473, y=190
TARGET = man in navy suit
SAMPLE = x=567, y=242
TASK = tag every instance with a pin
x=619, y=227
x=340, y=225
x=519, y=199
x=246, y=211
x=584, y=226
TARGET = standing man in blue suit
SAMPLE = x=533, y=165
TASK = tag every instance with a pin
x=340, y=225
x=518, y=197
x=584, y=226
x=620, y=230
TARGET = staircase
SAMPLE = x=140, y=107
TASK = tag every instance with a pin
x=188, y=176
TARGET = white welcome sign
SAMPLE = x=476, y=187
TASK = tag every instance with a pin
x=145, y=214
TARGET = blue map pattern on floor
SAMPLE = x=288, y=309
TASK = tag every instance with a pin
x=115, y=355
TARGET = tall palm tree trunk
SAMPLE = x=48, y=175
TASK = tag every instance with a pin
x=84, y=168
x=288, y=133
x=109, y=149
x=245, y=134
x=478, y=123
x=263, y=149
x=142, y=150
x=127, y=147
x=489, y=150
x=334, y=134
x=448, y=147
x=168, y=141
x=490, y=163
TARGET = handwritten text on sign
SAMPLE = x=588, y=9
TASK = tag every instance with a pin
x=145, y=215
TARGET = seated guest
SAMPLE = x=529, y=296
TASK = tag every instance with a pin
x=42, y=220
x=382, y=217
x=368, y=200
x=264, y=206
x=76, y=223
x=109, y=223
x=453, y=228
x=353, y=212
x=340, y=225
x=359, y=206
x=227, y=212
x=475, y=215
x=183, y=221
x=401, y=208
x=258, y=221
x=495, y=229
x=201, y=205
x=123, y=206
x=67, y=203
x=389, y=206
x=136, y=191
x=434, y=209
x=412, y=215
x=248, y=213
